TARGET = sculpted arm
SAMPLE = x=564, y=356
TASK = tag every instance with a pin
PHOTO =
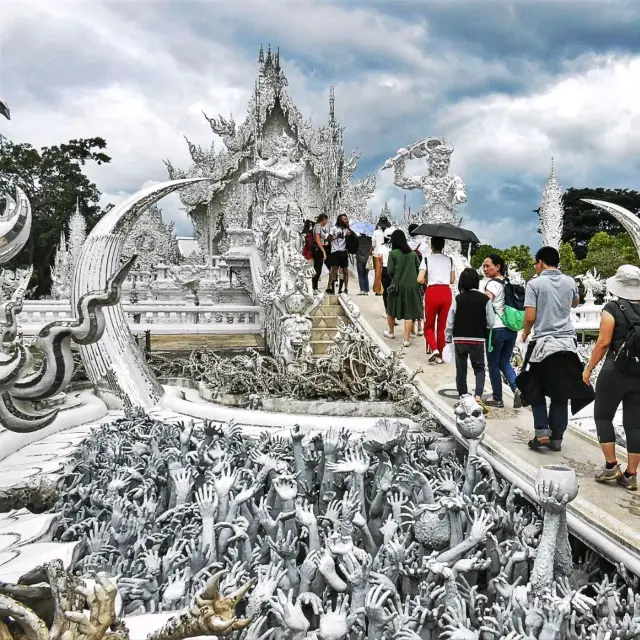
x=405, y=182
x=459, y=191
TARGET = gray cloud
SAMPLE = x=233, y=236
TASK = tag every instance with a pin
x=509, y=83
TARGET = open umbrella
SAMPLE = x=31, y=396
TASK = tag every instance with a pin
x=446, y=231
x=363, y=228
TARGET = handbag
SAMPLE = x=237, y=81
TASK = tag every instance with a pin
x=369, y=265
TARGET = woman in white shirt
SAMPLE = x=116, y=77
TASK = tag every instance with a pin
x=437, y=272
x=503, y=340
x=376, y=246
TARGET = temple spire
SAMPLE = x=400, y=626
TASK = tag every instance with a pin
x=551, y=211
x=261, y=55
x=332, y=105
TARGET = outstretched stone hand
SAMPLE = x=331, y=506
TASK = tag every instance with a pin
x=288, y=614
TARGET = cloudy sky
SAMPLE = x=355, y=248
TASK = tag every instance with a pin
x=510, y=84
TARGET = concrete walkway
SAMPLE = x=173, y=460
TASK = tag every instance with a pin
x=606, y=516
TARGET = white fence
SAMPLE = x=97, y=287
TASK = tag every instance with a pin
x=586, y=317
x=160, y=318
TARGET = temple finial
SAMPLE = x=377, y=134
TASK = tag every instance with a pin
x=332, y=104
x=261, y=54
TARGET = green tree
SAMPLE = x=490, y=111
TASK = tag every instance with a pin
x=582, y=221
x=481, y=252
x=520, y=255
x=606, y=252
x=54, y=181
x=569, y=264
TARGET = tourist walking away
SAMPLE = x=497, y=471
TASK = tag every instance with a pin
x=552, y=367
x=619, y=377
x=403, y=302
x=339, y=255
x=469, y=320
x=418, y=244
x=502, y=338
x=364, y=262
x=321, y=247
x=383, y=252
x=378, y=243
x=309, y=240
x=436, y=271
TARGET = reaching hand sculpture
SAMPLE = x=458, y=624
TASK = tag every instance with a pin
x=380, y=536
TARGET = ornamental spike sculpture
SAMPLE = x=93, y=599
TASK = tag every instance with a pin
x=627, y=219
x=551, y=212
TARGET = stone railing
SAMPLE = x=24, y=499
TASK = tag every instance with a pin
x=158, y=317
x=586, y=317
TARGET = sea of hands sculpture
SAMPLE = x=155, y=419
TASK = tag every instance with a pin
x=19, y=387
x=332, y=538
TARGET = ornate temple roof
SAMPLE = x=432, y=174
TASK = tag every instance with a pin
x=321, y=147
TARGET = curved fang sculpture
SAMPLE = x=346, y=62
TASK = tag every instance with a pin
x=15, y=225
x=56, y=370
x=116, y=366
x=629, y=221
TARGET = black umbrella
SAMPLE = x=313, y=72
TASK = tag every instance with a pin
x=446, y=231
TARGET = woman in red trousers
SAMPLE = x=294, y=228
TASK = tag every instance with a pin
x=437, y=272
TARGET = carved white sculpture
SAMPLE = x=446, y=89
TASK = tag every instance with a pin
x=627, y=219
x=593, y=284
x=442, y=191
x=551, y=212
x=116, y=366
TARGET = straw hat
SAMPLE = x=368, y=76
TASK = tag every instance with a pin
x=626, y=283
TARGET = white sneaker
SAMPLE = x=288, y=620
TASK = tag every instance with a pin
x=406, y=343
x=388, y=335
x=434, y=357
x=414, y=334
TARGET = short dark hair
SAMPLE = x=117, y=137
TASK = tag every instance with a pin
x=383, y=223
x=469, y=279
x=437, y=244
x=399, y=241
x=548, y=256
x=322, y=217
x=499, y=262
x=412, y=228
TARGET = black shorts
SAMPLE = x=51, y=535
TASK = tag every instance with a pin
x=339, y=259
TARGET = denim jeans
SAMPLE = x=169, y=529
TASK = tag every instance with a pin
x=503, y=341
x=363, y=276
x=551, y=423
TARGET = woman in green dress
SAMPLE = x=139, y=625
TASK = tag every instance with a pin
x=403, y=294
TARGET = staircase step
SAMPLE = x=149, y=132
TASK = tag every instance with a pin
x=327, y=322
x=321, y=346
x=320, y=335
x=329, y=310
x=329, y=300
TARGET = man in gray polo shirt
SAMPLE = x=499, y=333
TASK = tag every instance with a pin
x=552, y=355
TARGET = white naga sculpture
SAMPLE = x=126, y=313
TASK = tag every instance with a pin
x=116, y=366
x=19, y=389
x=442, y=191
x=551, y=212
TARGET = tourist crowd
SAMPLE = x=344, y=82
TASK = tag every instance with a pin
x=480, y=326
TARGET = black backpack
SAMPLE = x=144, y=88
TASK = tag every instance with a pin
x=627, y=357
x=352, y=243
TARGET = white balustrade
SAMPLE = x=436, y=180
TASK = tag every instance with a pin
x=158, y=317
x=586, y=317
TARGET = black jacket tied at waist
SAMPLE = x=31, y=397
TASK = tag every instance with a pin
x=558, y=376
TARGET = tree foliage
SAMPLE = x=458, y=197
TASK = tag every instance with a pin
x=520, y=255
x=54, y=181
x=582, y=221
x=605, y=253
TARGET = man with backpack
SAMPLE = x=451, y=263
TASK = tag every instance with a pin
x=552, y=367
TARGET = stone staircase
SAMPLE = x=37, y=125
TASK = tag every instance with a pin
x=325, y=324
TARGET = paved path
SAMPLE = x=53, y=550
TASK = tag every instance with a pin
x=612, y=511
